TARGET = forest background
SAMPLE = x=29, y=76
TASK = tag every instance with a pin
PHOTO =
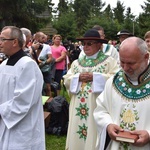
x=71, y=18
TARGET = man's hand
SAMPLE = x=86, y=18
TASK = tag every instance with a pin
x=42, y=63
x=112, y=130
x=86, y=77
x=35, y=45
x=144, y=137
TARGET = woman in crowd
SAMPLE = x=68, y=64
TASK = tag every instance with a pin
x=59, y=54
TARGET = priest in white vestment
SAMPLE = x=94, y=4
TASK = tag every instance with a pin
x=124, y=103
x=84, y=81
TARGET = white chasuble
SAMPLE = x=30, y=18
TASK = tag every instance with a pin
x=126, y=105
x=82, y=132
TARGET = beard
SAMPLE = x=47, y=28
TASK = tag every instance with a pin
x=136, y=73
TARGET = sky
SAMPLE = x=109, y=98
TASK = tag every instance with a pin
x=135, y=5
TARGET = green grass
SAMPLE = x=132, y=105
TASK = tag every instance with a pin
x=54, y=142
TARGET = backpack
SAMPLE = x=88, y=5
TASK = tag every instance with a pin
x=59, y=109
x=54, y=87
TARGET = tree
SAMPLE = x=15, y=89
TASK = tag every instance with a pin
x=110, y=25
x=119, y=12
x=82, y=14
x=66, y=26
x=23, y=13
x=96, y=7
x=129, y=21
x=62, y=7
x=144, y=21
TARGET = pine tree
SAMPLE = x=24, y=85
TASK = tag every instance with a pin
x=144, y=18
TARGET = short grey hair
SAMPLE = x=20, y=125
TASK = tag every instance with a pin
x=140, y=43
x=26, y=31
x=15, y=33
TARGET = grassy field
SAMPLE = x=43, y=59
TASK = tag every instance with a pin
x=54, y=142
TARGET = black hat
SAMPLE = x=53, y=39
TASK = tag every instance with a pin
x=124, y=32
x=92, y=34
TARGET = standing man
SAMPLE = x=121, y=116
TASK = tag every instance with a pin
x=28, y=36
x=108, y=49
x=85, y=80
x=124, y=103
x=21, y=110
x=44, y=54
x=122, y=35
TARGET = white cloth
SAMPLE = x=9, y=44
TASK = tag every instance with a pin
x=112, y=108
x=46, y=50
x=112, y=51
x=21, y=110
x=97, y=87
x=83, y=102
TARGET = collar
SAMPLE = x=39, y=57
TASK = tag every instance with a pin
x=92, y=61
x=144, y=75
x=93, y=56
x=129, y=91
x=12, y=60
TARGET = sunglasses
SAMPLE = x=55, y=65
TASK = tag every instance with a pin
x=89, y=43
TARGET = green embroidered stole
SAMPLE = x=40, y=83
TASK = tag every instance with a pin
x=129, y=91
x=90, y=62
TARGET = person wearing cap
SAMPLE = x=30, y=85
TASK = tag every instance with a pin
x=123, y=34
x=108, y=49
x=85, y=80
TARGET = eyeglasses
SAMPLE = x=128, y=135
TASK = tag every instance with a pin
x=89, y=43
x=4, y=39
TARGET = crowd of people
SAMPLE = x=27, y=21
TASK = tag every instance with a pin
x=106, y=83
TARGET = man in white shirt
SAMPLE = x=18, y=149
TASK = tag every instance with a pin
x=44, y=54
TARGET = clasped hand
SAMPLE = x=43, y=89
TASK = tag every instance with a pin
x=86, y=77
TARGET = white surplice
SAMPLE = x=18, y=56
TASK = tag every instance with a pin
x=21, y=110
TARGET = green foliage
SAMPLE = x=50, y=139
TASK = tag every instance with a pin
x=62, y=7
x=144, y=21
x=73, y=18
x=23, y=13
x=82, y=13
x=96, y=7
x=66, y=26
x=119, y=12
